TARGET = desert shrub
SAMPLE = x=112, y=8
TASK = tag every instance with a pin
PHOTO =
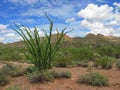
x=94, y=79
x=97, y=59
x=64, y=58
x=90, y=68
x=30, y=69
x=3, y=79
x=17, y=87
x=11, y=53
x=118, y=65
x=96, y=63
x=82, y=63
x=82, y=53
x=42, y=76
x=41, y=50
x=117, y=51
x=12, y=70
x=64, y=61
x=106, y=62
x=96, y=56
x=62, y=74
x=106, y=51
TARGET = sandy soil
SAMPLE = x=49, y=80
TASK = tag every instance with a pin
x=68, y=84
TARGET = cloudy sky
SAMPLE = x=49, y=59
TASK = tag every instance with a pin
x=85, y=16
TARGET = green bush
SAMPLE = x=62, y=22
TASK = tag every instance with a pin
x=17, y=87
x=12, y=70
x=65, y=74
x=11, y=53
x=94, y=79
x=3, y=79
x=106, y=62
x=82, y=53
x=118, y=65
x=64, y=61
x=83, y=63
x=106, y=51
x=42, y=76
x=30, y=69
x=41, y=50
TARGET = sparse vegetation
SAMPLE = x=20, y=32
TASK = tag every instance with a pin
x=64, y=61
x=42, y=76
x=94, y=79
x=118, y=65
x=12, y=70
x=3, y=79
x=17, y=87
x=62, y=74
x=83, y=63
x=105, y=62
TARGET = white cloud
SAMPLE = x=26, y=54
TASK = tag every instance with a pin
x=7, y=35
x=1, y=39
x=63, y=11
x=3, y=27
x=117, y=6
x=101, y=19
x=94, y=12
x=10, y=35
x=70, y=20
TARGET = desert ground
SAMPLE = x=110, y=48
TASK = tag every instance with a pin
x=67, y=84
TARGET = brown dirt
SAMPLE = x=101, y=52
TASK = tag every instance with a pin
x=69, y=84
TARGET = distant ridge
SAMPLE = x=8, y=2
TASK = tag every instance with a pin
x=54, y=38
x=88, y=39
x=90, y=35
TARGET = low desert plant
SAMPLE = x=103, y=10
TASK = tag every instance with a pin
x=41, y=50
x=17, y=87
x=94, y=79
x=90, y=68
x=82, y=53
x=106, y=51
x=30, y=69
x=82, y=64
x=40, y=76
x=106, y=62
x=12, y=70
x=3, y=79
x=63, y=61
x=118, y=65
x=62, y=74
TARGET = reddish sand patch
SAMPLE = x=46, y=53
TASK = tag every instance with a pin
x=69, y=84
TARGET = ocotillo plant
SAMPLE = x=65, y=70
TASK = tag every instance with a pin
x=41, y=51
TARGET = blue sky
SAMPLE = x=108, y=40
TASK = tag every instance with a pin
x=85, y=16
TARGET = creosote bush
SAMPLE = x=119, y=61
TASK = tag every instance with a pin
x=42, y=76
x=82, y=63
x=106, y=62
x=47, y=75
x=62, y=74
x=17, y=87
x=94, y=79
x=63, y=61
x=82, y=53
x=41, y=50
x=118, y=65
x=3, y=79
x=12, y=70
